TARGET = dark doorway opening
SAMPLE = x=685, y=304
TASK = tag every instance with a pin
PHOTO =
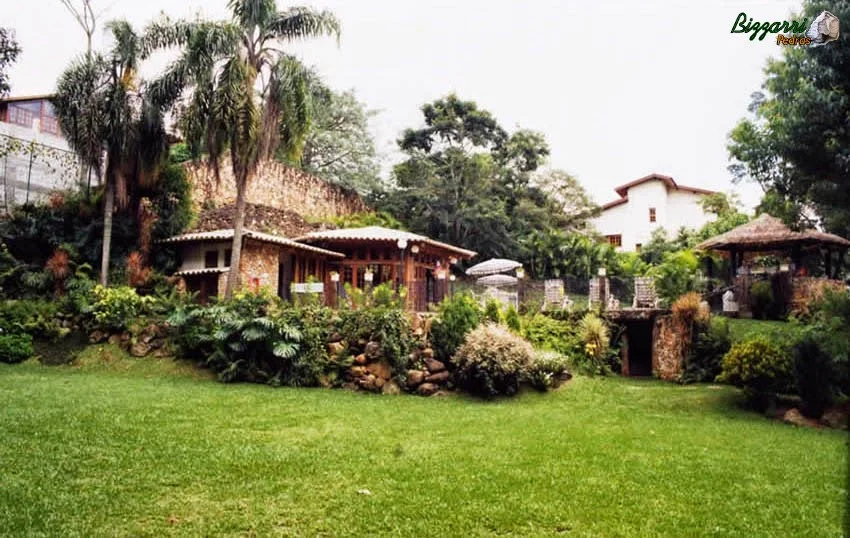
x=639, y=334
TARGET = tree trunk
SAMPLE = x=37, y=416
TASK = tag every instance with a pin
x=236, y=248
x=108, y=209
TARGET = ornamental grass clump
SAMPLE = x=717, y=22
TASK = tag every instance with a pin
x=492, y=361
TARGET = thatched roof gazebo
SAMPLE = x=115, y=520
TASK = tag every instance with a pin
x=769, y=234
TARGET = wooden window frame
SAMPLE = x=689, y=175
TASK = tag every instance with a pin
x=652, y=215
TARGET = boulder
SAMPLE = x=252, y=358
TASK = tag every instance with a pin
x=391, y=387
x=415, y=377
x=373, y=351
x=349, y=386
x=427, y=389
x=335, y=348
x=434, y=366
x=835, y=418
x=380, y=382
x=428, y=353
x=140, y=349
x=115, y=339
x=357, y=371
x=793, y=416
x=380, y=369
x=97, y=337
x=360, y=359
x=439, y=377
x=367, y=382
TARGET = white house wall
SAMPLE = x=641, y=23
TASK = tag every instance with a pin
x=673, y=210
x=194, y=253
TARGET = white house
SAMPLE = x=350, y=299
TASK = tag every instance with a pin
x=647, y=204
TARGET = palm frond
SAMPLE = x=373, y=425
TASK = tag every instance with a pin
x=302, y=23
x=252, y=13
x=285, y=350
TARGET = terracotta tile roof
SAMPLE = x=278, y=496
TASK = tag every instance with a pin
x=669, y=182
x=379, y=233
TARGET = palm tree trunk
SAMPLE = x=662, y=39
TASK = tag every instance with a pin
x=108, y=209
x=236, y=248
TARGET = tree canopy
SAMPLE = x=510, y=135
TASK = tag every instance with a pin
x=796, y=144
x=9, y=51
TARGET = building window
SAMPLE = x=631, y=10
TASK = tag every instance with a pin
x=651, y=214
x=228, y=254
x=615, y=240
x=211, y=258
x=638, y=247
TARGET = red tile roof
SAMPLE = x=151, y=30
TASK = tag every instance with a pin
x=623, y=190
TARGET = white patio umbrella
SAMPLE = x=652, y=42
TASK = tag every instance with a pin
x=498, y=280
x=493, y=266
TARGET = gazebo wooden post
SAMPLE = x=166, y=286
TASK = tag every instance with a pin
x=827, y=263
x=840, y=263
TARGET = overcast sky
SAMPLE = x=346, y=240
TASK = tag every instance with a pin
x=620, y=88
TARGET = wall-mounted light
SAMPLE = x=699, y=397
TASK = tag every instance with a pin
x=441, y=274
x=401, y=243
x=602, y=271
x=784, y=267
x=453, y=260
x=414, y=249
x=452, y=278
x=334, y=276
x=368, y=276
x=520, y=272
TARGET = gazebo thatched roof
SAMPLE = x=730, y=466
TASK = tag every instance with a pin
x=767, y=233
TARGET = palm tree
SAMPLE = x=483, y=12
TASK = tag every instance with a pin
x=247, y=94
x=111, y=125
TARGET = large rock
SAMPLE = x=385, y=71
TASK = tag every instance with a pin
x=357, y=371
x=373, y=351
x=391, y=387
x=439, y=377
x=367, y=382
x=428, y=353
x=335, y=348
x=835, y=418
x=793, y=416
x=97, y=337
x=434, y=366
x=415, y=377
x=380, y=369
x=360, y=359
x=380, y=382
x=115, y=339
x=140, y=349
x=427, y=389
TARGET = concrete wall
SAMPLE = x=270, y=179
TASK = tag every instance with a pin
x=275, y=185
x=194, y=254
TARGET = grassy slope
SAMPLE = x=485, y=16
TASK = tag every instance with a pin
x=148, y=448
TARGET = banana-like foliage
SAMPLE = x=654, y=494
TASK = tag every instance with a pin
x=235, y=88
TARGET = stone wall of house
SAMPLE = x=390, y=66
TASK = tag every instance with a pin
x=276, y=185
x=667, y=360
x=259, y=266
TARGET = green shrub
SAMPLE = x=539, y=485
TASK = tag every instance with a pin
x=492, y=361
x=830, y=325
x=389, y=327
x=815, y=376
x=114, y=308
x=711, y=342
x=15, y=348
x=35, y=317
x=761, y=367
x=547, y=370
x=546, y=333
x=458, y=315
x=493, y=311
x=761, y=299
x=512, y=319
x=676, y=275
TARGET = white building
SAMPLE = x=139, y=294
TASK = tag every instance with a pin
x=647, y=204
x=34, y=156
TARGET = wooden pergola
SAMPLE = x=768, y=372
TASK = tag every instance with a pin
x=768, y=234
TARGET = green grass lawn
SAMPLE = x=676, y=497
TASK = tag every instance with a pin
x=781, y=331
x=152, y=448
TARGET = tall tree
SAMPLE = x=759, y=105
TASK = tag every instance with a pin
x=245, y=90
x=110, y=123
x=338, y=146
x=797, y=143
x=9, y=51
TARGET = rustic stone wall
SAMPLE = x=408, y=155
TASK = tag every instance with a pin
x=259, y=266
x=276, y=185
x=667, y=360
